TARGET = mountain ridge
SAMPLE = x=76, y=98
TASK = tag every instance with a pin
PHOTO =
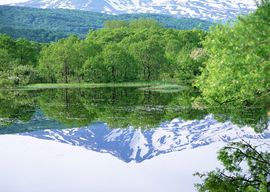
x=203, y=9
x=138, y=145
x=45, y=25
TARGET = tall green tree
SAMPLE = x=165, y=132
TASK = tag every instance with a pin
x=150, y=56
x=6, y=61
x=120, y=64
x=113, y=64
x=59, y=62
x=27, y=52
x=94, y=70
x=239, y=60
x=7, y=43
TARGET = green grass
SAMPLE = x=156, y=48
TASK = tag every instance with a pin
x=154, y=86
x=165, y=88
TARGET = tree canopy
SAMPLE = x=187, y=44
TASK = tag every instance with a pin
x=140, y=50
x=236, y=83
x=246, y=168
x=238, y=64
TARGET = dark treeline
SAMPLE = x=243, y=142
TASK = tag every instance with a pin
x=37, y=35
x=140, y=50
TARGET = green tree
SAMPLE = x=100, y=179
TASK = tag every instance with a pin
x=190, y=64
x=7, y=43
x=6, y=61
x=85, y=49
x=119, y=63
x=246, y=168
x=27, y=52
x=94, y=70
x=150, y=57
x=113, y=64
x=23, y=75
x=108, y=35
x=144, y=24
x=112, y=24
x=238, y=66
x=59, y=62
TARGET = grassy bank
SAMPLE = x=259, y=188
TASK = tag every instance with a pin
x=144, y=85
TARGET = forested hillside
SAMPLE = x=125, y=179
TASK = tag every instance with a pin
x=46, y=25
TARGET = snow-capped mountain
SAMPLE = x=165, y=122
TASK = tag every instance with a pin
x=138, y=145
x=204, y=9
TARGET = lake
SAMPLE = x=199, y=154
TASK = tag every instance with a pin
x=115, y=139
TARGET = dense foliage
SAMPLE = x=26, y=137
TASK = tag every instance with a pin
x=140, y=50
x=46, y=25
x=238, y=68
x=246, y=168
x=237, y=78
x=38, y=35
x=18, y=61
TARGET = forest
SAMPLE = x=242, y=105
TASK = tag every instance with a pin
x=228, y=66
x=229, y=63
x=140, y=50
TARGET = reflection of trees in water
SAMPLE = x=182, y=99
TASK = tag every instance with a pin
x=246, y=167
x=118, y=107
x=182, y=107
x=254, y=115
x=65, y=106
x=123, y=107
x=16, y=106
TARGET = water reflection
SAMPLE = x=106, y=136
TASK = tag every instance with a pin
x=16, y=106
x=141, y=144
x=130, y=123
x=118, y=107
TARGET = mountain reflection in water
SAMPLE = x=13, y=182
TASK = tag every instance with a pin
x=131, y=124
x=141, y=144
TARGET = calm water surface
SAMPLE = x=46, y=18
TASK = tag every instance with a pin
x=117, y=139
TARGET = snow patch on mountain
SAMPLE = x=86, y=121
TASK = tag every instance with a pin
x=6, y=2
x=204, y=9
x=138, y=144
x=141, y=144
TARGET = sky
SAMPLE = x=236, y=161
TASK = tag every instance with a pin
x=3, y=2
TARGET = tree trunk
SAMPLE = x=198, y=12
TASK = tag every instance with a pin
x=149, y=73
x=113, y=73
x=66, y=71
